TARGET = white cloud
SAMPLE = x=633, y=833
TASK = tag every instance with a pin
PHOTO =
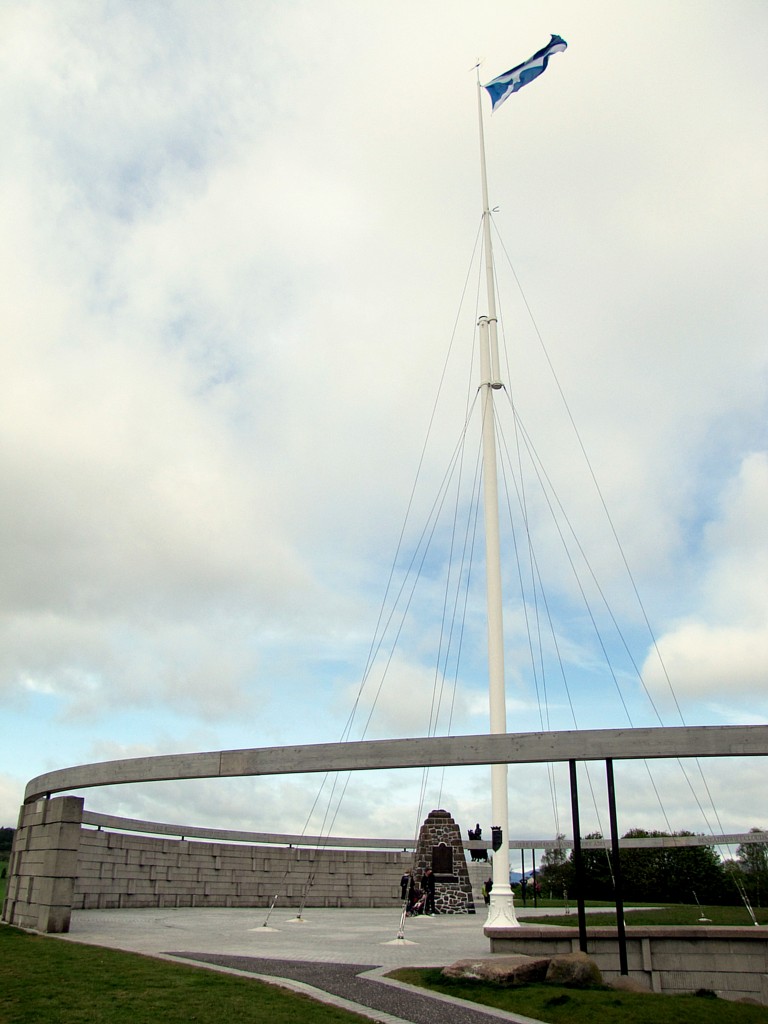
x=723, y=650
x=234, y=238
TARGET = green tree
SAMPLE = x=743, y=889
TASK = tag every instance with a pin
x=672, y=874
x=667, y=874
x=752, y=860
x=555, y=873
x=6, y=839
x=598, y=872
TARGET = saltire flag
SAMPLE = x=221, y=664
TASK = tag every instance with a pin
x=524, y=73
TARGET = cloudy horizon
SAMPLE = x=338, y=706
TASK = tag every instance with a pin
x=236, y=240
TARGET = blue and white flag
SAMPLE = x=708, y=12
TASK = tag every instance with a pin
x=524, y=73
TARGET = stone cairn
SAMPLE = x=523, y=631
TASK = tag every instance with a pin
x=440, y=847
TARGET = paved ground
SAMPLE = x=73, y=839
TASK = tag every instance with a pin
x=338, y=955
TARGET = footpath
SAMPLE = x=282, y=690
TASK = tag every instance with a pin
x=338, y=956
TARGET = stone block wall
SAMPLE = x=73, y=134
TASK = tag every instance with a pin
x=58, y=864
x=43, y=865
x=122, y=870
x=732, y=962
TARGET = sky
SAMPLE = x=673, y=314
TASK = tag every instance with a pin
x=236, y=237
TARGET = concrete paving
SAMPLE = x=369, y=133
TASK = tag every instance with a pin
x=339, y=956
x=344, y=936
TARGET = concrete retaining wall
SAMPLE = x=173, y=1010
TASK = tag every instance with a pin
x=732, y=962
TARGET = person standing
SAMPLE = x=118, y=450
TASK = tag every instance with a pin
x=428, y=885
x=487, y=886
x=405, y=881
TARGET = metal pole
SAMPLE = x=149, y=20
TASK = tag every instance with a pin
x=523, y=886
x=501, y=912
x=578, y=864
x=616, y=858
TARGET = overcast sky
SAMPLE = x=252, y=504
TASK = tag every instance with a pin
x=235, y=240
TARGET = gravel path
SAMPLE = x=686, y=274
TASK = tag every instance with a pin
x=389, y=1001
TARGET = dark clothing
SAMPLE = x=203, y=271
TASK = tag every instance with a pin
x=428, y=883
x=416, y=898
x=487, y=886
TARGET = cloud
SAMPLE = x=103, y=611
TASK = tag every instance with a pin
x=724, y=648
x=234, y=239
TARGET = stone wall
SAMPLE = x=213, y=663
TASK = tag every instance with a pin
x=43, y=865
x=440, y=847
x=732, y=962
x=58, y=864
x=121, y=870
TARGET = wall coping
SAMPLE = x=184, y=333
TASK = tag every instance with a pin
x=144, y=827
x=423, y=752
x=744, y=933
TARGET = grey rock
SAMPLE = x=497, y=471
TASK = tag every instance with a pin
x=516, y=969
x=575, y=969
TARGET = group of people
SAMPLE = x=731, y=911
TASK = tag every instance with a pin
x=419, y=896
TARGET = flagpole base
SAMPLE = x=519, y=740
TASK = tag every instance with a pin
x=501, y=913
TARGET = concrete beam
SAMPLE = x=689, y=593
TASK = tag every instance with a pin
x=368, y=755
x=113, y=822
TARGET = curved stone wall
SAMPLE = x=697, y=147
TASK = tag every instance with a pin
x=45, y=856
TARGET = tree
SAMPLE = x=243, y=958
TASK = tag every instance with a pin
x=6, y=839
x=598, y=873
x=752, y=860
x=555, y=872
x=664, y=874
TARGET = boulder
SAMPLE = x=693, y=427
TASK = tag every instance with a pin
x=516, y=969
x=574, y=969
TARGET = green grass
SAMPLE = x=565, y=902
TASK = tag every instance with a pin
x=675, y=914
x=48, y=981
x=547, y=903
x=558, y=1005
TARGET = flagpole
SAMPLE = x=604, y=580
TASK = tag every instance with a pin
x=501, y=911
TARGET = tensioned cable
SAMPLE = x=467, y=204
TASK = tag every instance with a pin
x=422, y=547
x=535, y=576
x=541, y=472
x=379, y=631
x=593, y=475
x=521, y=495
x=374, y=643
x=535, y=461
x=630, y=575
x=538, y=586
x=463, y=616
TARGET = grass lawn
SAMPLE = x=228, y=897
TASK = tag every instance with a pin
x=557, y=1005
x=46, y=981
x=680, y=914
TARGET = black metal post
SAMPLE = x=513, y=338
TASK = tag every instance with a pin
x=535, y=897
x=578, y=864
x=616, y=858
x=523, y=886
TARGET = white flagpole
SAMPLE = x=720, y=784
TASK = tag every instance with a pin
x=501, y=911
